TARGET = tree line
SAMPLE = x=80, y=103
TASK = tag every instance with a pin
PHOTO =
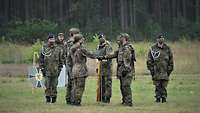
x=141, y=18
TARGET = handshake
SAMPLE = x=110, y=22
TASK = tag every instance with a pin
x=101, y=57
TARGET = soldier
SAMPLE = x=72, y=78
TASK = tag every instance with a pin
x=160, y=64
x=125, y=67
x=60, y=41
x=103, y=49
x=50, y=65
x=72, y=32
x=78, y=56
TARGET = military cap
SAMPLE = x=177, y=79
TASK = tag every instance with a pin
x=51, y=36
x=101, y=35
x=159, y=35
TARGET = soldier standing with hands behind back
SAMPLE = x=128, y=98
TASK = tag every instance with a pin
x=160, y=64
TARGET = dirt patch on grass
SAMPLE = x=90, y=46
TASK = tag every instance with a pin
x=13, y=69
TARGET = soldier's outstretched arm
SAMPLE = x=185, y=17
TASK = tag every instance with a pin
x=87, y=53
x=112, y=55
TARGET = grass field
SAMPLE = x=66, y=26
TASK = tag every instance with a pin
x=183, y=90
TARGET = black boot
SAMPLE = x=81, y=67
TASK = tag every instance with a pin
x=48, y=99
x=164, y=100
x=128, y=104
x=53, y=99
x=157, y=100
x=76, y=103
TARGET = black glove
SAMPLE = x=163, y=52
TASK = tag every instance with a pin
x=43, y=72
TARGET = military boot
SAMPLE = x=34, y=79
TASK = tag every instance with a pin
x=157, y=100
x=48, y=99
x=76, y=103
x=164, y=100
x=54, y=99
x=128, y=104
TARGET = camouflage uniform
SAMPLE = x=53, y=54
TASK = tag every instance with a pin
x=63, y=46
x=69, y=44
x=78, y=57
x=105, y=72
x=160, y=64
x=51, y=64
x=125, y=69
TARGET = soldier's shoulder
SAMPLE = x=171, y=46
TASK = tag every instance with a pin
x=166, y=46
x=83, y=48
x=154, y=46
x=108, y=45
x=129, y=46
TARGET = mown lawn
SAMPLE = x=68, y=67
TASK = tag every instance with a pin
x=184, y=92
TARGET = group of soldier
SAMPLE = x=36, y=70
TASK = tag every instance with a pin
x=72, y=53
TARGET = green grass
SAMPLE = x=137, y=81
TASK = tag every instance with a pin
x=16, y=97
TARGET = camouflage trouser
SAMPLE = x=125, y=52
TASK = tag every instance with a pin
x=106, y=88
x=160, y=88
x=69, y=86
x=125, y=87
x=78, y=87
x=51, y=83
x=69, y=90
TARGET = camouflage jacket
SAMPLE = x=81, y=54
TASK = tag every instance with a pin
x=51, y=60
x=69, y=44
x=63, y=46
x=160, y=62
x=105, y=65
x=77, y=60
x=125, y=59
